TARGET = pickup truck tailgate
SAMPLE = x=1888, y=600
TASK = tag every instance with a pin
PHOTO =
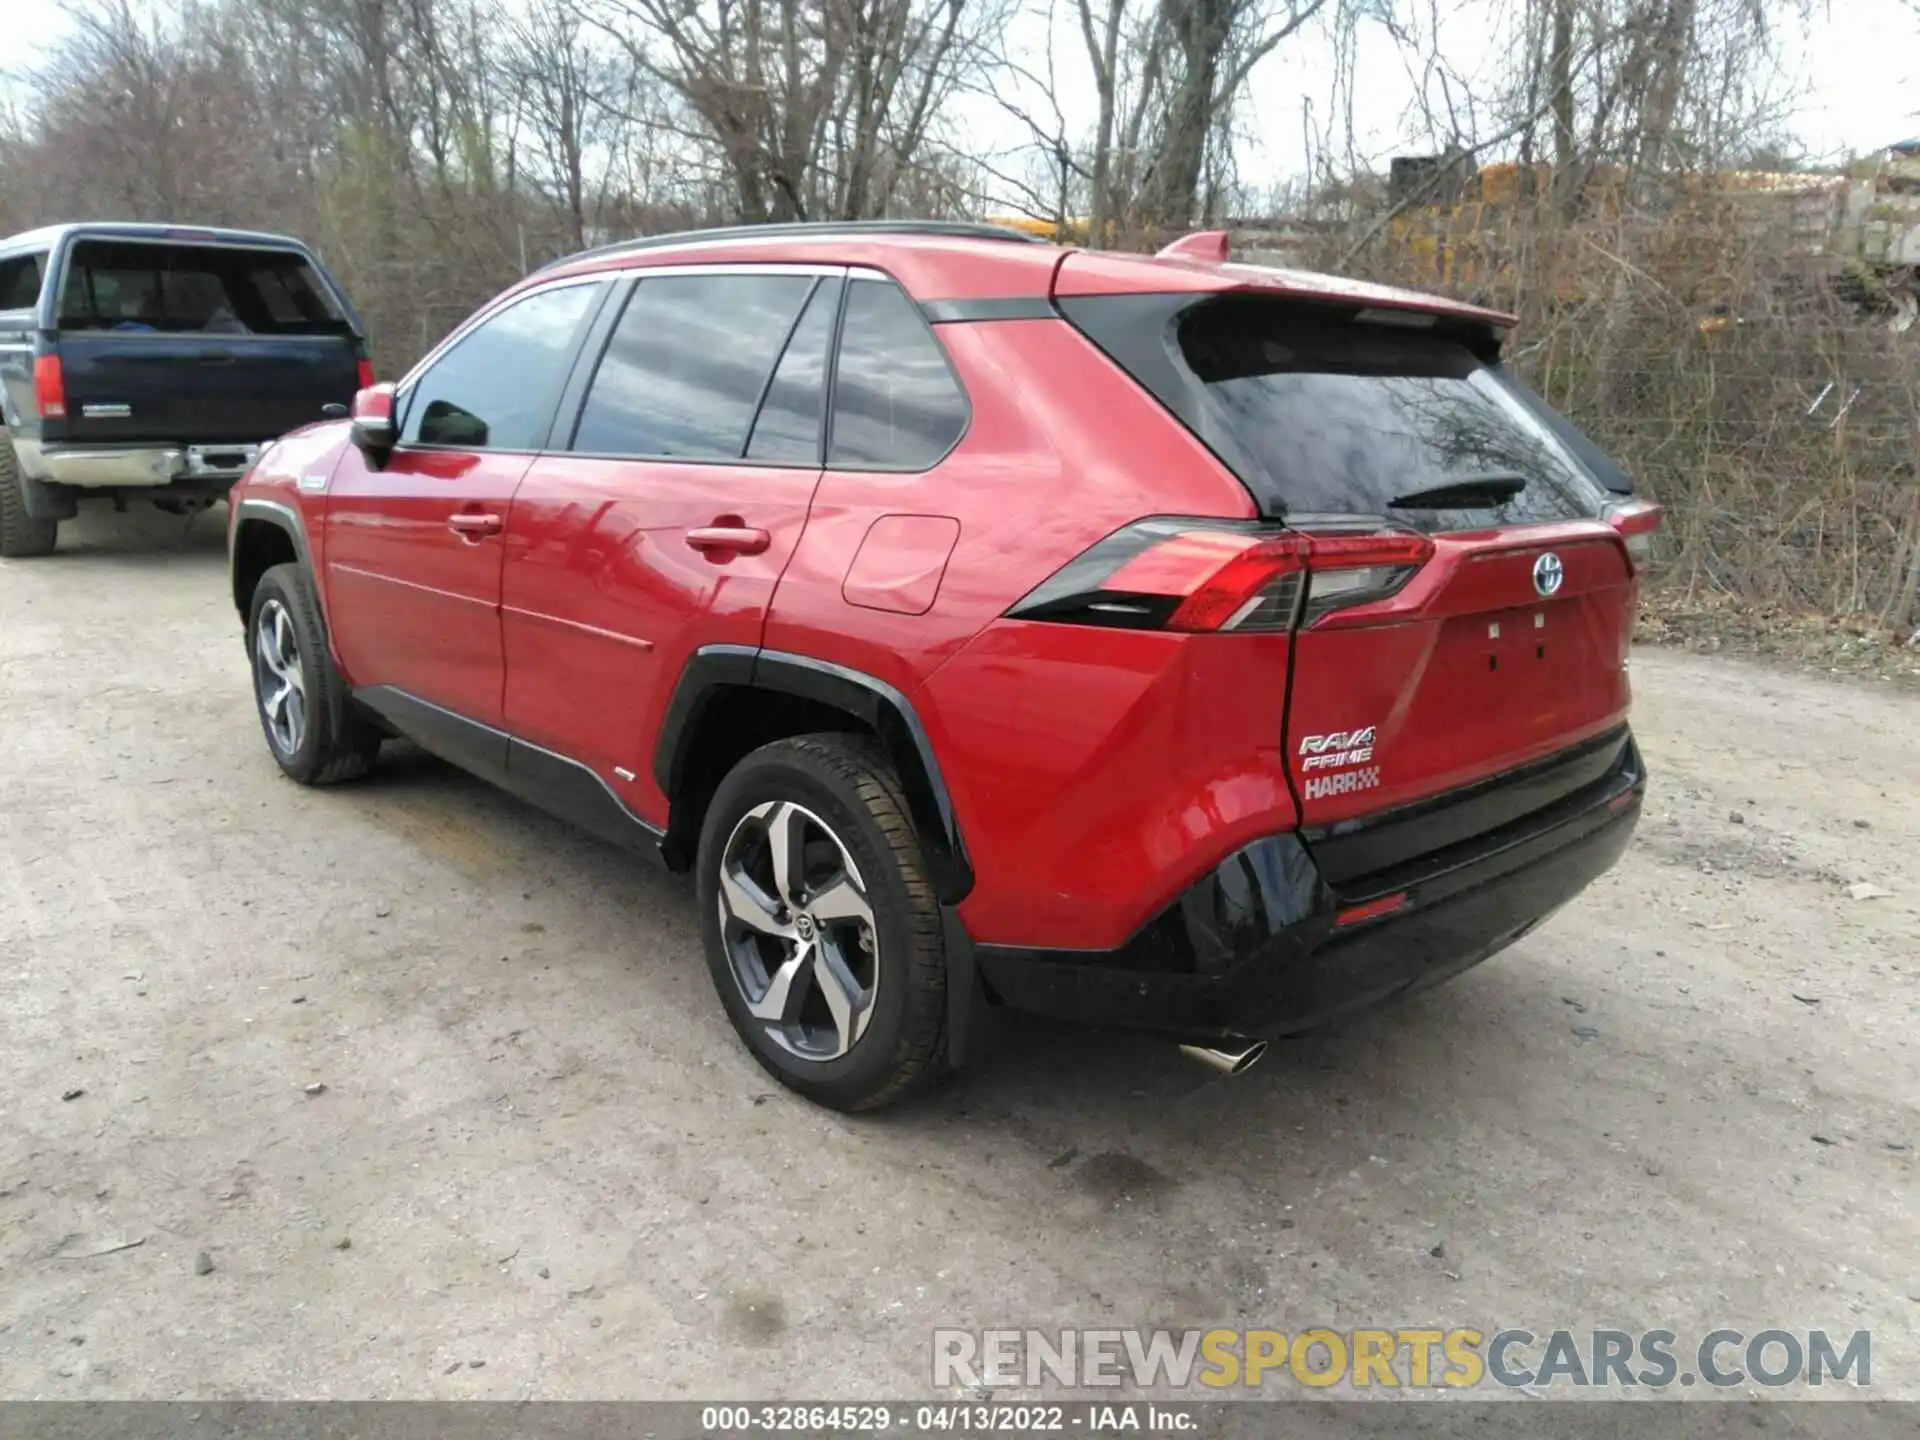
x=195, y=388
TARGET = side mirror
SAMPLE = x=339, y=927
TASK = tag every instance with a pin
x=372, y=429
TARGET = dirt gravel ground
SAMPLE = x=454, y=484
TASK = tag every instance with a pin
x=542, y=1167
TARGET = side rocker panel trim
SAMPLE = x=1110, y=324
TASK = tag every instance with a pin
x=554, y=782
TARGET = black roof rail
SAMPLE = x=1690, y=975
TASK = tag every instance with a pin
x=825, y=229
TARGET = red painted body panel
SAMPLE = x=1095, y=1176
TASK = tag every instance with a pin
x=1098, y=773
x=1467, y=671
x=411, y=601
x=1060, y=452
x=604, y=600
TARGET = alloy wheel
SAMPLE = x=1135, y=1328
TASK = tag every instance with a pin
x=282, y=688
x=799, y=930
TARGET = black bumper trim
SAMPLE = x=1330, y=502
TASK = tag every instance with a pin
x=1306, y=973
x=1362, y=856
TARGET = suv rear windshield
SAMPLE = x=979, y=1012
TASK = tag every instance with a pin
x=1318, y=412
x=135, y=286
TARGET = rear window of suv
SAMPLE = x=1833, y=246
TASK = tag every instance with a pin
x=1319, y=412
x=135, y=286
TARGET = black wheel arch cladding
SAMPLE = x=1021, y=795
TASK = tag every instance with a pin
x=715, y=670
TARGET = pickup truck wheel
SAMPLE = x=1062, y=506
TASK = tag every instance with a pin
x=20, y=534
x=315, y=735
x=821, y=927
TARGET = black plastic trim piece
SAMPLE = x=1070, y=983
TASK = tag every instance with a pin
x=557, y=784
x=989, y=307
x=1378, y=851
x=566, y=788
x=585, y=364
x=709, y=670
x=968, y=1013
x=281, y=517
x=1312, y=976
x=884, y=709
x=47, y=502
x=479, y=749
x=894, y=719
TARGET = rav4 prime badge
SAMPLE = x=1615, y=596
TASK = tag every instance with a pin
x=1338, y=750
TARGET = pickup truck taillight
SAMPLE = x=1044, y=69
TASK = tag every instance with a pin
x=1215, y=575
x=366, y=374
x=49, y=389
x=1636, y=520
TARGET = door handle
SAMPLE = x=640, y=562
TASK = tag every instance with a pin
x=740, y=539
x=469, y=525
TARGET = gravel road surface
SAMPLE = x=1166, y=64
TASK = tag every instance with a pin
x=404, y=1090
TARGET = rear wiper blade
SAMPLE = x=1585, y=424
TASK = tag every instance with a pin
x=1462, y=492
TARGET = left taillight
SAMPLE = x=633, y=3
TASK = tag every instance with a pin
x=1637, y=520
x=366, y=374
x=1205, y=576
x=49, y=388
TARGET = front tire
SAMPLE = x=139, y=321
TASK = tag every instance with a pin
x=821, y=927
x=21, y=535
x=312, y=730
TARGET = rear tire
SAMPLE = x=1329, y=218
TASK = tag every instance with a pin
x=313, y=732
x=21, y=535
x=825, y=945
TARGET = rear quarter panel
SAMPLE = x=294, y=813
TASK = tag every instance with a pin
x=1061, y=450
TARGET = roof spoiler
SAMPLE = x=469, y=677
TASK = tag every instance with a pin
x=1207, y=245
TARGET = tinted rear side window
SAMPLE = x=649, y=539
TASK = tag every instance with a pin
x=496, y=389
x=787, y=431
x=132, y=286
x=1321, y=414
x=20, y=282
x=687, y=364
x=896, y=405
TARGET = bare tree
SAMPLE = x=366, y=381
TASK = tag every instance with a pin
x=818, y=108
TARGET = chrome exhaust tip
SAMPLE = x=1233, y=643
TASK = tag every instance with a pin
x=1229, y=1060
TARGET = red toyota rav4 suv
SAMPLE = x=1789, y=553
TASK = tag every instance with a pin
x=1158, y=642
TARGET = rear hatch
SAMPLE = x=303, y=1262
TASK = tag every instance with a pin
x=188, y=343
x=1467, y=605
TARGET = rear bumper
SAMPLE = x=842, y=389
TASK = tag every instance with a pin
x=1257, y=948
x=134, y=467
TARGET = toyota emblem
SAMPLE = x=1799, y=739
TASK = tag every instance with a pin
x=1548, y=573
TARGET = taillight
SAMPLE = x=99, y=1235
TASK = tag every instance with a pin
x=49, y=388
x=1349, y=568
x=366, y=374
x=1636, y=520
x=1219, y=575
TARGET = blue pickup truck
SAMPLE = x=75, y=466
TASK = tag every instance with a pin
x=154, y=361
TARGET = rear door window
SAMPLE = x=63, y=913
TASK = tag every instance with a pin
x=896, y=405
x=496, y=389
x=687, y=365
x=20, y=281
x=787, y=430
x=134, y=286
x=1321, y=413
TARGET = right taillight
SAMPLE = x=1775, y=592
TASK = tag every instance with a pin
x=49, y=388
x=1636, y=520
x=1203, y=576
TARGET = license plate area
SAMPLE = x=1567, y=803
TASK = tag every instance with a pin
x=219, y=462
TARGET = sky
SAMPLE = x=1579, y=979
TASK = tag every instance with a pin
x=1854, y=74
